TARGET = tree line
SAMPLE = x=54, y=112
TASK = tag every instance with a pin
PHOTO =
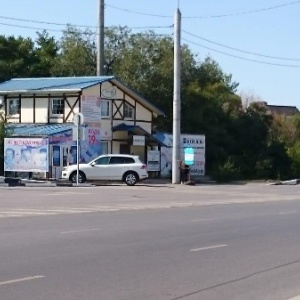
x=242, y=141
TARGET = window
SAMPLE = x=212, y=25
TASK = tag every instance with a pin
x=105, y=108
x=128, y=160
x=14, y=106
x=104, y=147
x=118, y=160
x=102, y=160
x=58, y=106
x=128, y=111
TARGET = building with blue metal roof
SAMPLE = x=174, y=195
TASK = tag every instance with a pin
x=45, y=108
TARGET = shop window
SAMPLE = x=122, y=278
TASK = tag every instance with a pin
x=128, y=111
x=14, y=106
x=104, y=147
x=58, y=106
x=105, y=108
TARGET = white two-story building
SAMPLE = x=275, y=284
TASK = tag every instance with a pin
x=116, y=118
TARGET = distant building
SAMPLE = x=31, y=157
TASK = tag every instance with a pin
x=282, y=110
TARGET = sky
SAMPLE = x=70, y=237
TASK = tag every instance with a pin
x=257, y=42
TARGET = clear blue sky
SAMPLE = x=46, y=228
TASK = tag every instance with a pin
x=269, y=28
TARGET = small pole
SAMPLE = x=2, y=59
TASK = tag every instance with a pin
x=77, y=144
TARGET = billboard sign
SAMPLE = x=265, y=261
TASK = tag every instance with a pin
x=26, y=155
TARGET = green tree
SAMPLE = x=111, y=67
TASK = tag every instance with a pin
x=76, y=55
x=17, y=57
x=46, y=52
x=144, y=61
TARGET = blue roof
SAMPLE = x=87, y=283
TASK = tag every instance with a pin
x=135, y=129
x=21, y=129
x=51, y=83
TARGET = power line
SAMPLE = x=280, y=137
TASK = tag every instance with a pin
x=60, y=30
x=240, y=50
x=242, y=58
x=209, y=16
x=246, y=12
x=68, y=24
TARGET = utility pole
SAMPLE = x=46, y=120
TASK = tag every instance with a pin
x=100, y=46
x=176, y=99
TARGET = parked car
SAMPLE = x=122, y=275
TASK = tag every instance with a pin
x=112, y=167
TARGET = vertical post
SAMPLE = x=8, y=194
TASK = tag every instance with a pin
x=176, y=99
x=100, y=48
x=77, y=146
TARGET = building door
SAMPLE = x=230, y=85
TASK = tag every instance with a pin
x=124, y=149
x=59, y=159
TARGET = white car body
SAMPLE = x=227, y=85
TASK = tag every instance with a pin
x=109, y=167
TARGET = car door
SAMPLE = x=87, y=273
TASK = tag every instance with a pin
x=116, y=167
x=99, y=169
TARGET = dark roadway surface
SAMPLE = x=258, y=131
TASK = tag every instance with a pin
x=65, y=247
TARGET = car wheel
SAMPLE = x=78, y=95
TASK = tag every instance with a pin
x=81, y=178
x=131, y=178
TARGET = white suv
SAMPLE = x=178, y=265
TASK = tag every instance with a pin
x=114, y=167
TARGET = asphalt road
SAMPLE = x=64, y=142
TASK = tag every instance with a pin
x=150, y=243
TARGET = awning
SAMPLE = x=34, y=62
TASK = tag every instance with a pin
x=137, y=130
x=36, y=130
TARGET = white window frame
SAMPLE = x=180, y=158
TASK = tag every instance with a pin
x=9, y=106
x=126, y=109
x=59, y=99
x=105, y=108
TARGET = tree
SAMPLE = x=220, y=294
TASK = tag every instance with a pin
x=17, y=57
x=145, y=62
x=46, y=52
x=76, y=55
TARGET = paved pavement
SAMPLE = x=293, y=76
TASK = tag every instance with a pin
x=39, y=201
x=210, y=243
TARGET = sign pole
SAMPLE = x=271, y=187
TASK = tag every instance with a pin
x=77, y=147
x=78, y=121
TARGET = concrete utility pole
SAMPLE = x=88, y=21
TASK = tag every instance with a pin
x=100, y=48
x=176, y=99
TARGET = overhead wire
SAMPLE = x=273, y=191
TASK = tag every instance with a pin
x=209, y=16
x=242, y=58
x=60, y=30
x=240, y=50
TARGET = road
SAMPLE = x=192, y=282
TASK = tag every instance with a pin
x=150, y=243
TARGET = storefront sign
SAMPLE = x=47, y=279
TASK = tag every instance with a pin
x=26, y=155
x=153, y=160
x=138, y=140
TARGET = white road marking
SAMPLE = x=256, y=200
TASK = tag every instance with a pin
x=288, y=212
x=202, y=220
x=208, y=248
x=81, y=230
x=66, y=193
x=295, y=298
x=20, y=280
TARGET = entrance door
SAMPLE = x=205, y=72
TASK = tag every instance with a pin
x=60, y=159
x=124, y=149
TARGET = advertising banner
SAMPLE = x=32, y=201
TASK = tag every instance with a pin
x=187, y=141
x=90, y=148
x=91, y=109
x=26, y=155
x=153, y=160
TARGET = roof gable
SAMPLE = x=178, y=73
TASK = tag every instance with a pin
x=68, y=84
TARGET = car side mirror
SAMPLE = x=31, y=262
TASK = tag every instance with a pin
x=93, y=164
